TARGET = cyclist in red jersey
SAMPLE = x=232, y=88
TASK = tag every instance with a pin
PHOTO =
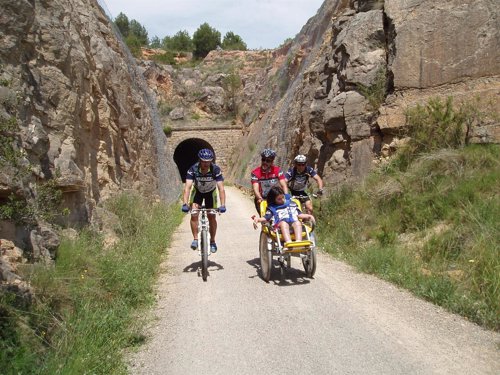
x=266, y=176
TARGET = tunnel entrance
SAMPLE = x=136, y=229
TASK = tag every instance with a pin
x=186, y=154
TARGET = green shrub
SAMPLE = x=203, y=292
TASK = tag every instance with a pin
x=375, y=94
x=436, y=125
x=167, y=130
x=167, y=58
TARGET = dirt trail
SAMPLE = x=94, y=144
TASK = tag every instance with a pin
x=340, y=322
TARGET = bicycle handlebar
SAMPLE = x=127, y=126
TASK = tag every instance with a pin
x=207, y=210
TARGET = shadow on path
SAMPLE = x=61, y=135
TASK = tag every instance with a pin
x=291, y=276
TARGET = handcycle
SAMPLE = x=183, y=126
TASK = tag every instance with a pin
x=271, y=245
x=203, y=233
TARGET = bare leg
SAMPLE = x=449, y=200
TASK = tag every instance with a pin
x=297, y=229
x=213, y=227
x=194, y=223
x=309, y=207
x=285, y=231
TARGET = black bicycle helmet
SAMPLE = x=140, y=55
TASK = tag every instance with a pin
x=206, y=154
x=268, y=153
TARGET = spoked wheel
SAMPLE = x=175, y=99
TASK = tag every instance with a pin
x=204, y=255
x=266, y=258
x=309, y=261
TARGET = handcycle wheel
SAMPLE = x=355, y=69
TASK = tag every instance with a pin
x=266, y=258
x=204, y=255
x=309, y=261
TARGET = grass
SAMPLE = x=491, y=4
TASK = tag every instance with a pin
x=432, y=228
x=85, y=307
x=428, y=220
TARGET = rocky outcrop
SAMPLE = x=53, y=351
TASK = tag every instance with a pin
x=357, y=66
x=75, y=111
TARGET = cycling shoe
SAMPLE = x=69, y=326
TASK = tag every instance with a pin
x=194, y=244
x=213, y=247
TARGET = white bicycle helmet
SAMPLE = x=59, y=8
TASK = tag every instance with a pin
x=300, y=159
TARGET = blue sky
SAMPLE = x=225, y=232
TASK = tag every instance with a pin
x=260, y=23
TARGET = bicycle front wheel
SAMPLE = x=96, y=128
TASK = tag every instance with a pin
x=204, y=255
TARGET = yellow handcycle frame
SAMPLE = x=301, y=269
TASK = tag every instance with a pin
x=271, y=244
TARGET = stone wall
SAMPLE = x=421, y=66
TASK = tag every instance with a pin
x=222, y=139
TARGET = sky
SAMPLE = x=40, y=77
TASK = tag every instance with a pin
x=260, y=23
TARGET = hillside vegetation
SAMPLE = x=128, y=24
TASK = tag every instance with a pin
x=84, y=310
x=428, y=219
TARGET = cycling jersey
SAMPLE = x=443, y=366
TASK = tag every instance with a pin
x=267, y=179
x=298, y=181
x=204, y=183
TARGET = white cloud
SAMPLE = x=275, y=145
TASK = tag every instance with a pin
x=260, y=23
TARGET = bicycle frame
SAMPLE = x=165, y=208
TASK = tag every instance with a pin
x=203, y=233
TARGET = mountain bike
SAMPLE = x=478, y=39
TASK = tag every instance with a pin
x=203, y=234
x=304, y=198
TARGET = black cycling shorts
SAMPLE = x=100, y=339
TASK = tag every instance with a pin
x=210, y=198
x=300, y=193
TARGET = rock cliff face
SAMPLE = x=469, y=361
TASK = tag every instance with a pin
x=358, y=65
x=75, y=112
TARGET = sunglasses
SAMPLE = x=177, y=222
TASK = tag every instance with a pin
x=301, y=164
x=265, y=160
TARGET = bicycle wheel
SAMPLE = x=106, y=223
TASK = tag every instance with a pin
x=204, y=255
x=309, y=262
x=266, y=258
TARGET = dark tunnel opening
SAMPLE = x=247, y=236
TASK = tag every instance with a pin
x=186, y=154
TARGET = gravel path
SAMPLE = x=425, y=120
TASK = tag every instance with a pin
x=340, y=322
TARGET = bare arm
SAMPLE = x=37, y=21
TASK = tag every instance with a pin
x=319, y=181
x=222, y=192
x=284, y=185
x=256, y=192
x=187, y=189
x=307, y=217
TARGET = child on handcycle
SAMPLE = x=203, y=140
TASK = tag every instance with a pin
x=282, y=212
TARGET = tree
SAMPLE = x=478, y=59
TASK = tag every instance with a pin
x=134, y=45
x=155, y=42
x=182, y=41
x=166, y=42
x=121, y=21
x=233, y=42
x=205, y=39
x=139, y=31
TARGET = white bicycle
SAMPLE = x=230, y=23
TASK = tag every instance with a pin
x=203, y=232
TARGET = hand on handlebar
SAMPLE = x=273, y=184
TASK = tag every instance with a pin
x=319, y=193
x=222, y=209
x=185, y=208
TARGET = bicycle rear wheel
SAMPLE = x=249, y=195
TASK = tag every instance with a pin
x=204, y=255
x=266, y=258
x=309, y=262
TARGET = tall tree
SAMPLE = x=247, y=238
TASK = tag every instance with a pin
x=139, y=31
x=233, y=41
x=182, y=41
x=205, y=39
x=121, y=21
